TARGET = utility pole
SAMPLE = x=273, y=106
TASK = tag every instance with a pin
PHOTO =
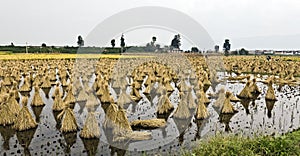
x=26, y=48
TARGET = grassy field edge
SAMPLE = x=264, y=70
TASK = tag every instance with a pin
x=288, y=144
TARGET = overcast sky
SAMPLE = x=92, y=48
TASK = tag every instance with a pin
x=253, y=24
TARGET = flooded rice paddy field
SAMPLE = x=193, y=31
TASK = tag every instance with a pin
x=255, y=117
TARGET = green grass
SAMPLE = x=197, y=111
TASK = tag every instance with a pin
x=5, y=52
x=288, y=144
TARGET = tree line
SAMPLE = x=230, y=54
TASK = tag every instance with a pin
x=152, y=46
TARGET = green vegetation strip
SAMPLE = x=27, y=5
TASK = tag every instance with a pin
x=5, y=52
x=288, y=144
x=31, y=56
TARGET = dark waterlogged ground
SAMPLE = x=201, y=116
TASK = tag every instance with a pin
x=256, y=117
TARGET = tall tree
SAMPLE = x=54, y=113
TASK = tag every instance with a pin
x=243, y=51
x=122, y=41
x=217, y=48
x=153, y=41
x=194, y=50
x=226, y=47
x=80, y=41
x=151, y=47
x=113, y=43
x=176, y=42
x=44, y=45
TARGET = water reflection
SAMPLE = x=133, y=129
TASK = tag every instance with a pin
x=270, y=105
x=200, y=127
x=70, y=139
x=37, y=112
x=91, y=146
x=24, y=138
x=6, y=133
x=81, y=106
x=182, y=127
x=225, y=119
x=57, y=120
x=46, y=91
x=245, y=103
x=117, y=151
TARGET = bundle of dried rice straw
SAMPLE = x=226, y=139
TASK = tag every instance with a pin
x=37, y=99
x=190, y=99
x=164, y=104
x=182, y=111
x=57, y=91
x=111, y=116
x=13, y=103
x=270, y=92
x=254, y=88
x=68, y=123
x=58, y=104
x=148, y=124
x=227, y=107
x=7, y=116
x=202, y=112
x=70, y=96
x=123, y=98
x=24, y=119
x=91, y=128
x=246, y=92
